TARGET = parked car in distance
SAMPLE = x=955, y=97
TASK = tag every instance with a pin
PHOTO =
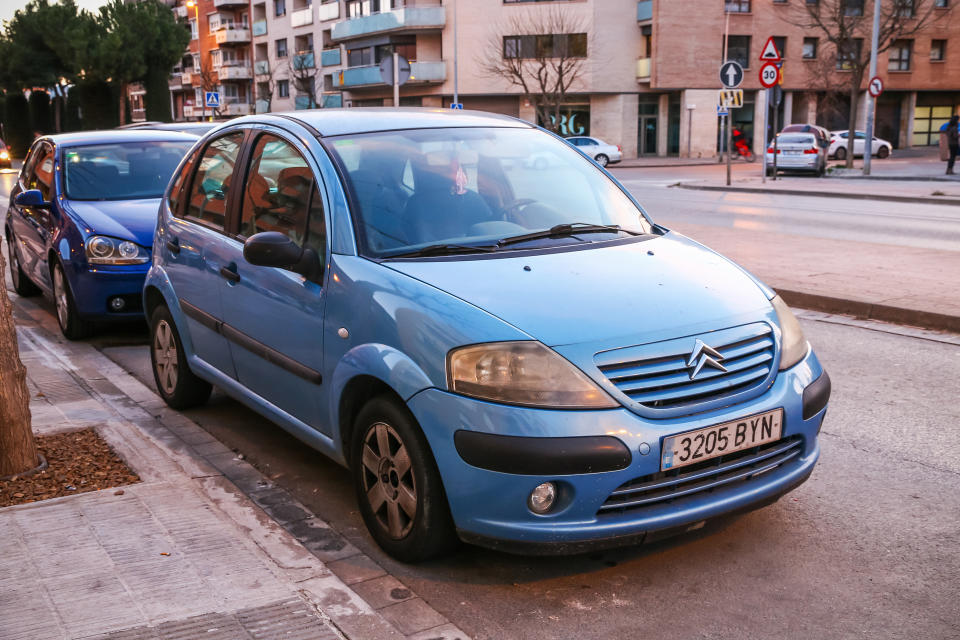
x=604, y=153
x=797, y=152
x=81, y=218
x=839, y=145
x=822, y=134
x=526, y=364
x=197, y=128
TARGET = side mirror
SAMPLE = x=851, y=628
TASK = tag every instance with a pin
x=31, y=198
x=274, y=249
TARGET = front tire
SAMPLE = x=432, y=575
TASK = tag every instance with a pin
x=602, y=160
x=22, y=283
x=883, y=152
x=71, y=324
x=176, y=384
x=841, y=153
x=398, y=486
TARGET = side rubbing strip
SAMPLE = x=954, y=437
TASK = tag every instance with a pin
x=254, y=346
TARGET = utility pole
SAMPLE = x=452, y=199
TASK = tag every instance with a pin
x=766, y=118
x=871, y=101
x=456, y=77
x=396, y=79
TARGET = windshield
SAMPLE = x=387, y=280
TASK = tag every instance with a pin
x=121, y=171
x=474, y=187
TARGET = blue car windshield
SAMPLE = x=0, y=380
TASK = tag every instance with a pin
x=476, y=187
x=121, y=171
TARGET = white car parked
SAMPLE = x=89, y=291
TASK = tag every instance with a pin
x=839, y=146
x=597, y=149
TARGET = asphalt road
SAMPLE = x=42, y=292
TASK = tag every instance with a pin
x=868, y=547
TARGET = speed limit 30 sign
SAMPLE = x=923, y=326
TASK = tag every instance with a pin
x=769, y=75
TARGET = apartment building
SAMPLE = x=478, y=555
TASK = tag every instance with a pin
x=649, y=69
x=217, y=59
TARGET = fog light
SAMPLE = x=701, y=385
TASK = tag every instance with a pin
x=542, y=498
x=117, y=304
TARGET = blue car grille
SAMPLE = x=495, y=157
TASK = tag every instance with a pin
x=688, y=482
x=657, y=376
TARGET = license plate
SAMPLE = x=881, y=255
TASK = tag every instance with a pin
x=710, y=442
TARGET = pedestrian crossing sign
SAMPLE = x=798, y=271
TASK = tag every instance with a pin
x=730, y=98
x=213, y=99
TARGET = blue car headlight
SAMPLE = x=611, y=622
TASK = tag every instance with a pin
x=107, y=250
x=524, y=373
x=793, y=345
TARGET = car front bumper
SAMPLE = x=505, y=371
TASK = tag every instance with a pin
x=490, y=507
x=93, y=287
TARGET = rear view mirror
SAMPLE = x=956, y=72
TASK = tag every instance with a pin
x=31, y=198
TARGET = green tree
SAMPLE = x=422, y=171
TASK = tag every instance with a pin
x=40, y=120
x=16, y=124
x=71, y=116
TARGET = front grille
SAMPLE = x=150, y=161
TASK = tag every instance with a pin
x=685, y=482
x=657, y=376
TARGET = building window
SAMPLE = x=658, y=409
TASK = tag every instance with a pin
x=360, y=57
x=736, y=6
x=781, y=42
x=941, y=4
x=900, y=56
x=738, y=49
x=194, y=31
x=938, y=50
x=927, y=121
x=848, y=55
x=852, y=7
x=283, y=88
x=561, y=45
x=279, y=7
x=282, y=48
x=904, y=8
x=809, y=48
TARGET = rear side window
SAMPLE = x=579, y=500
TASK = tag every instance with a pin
x=210, y=190
x=40, y=175
x=180, y=183
x=276, y=196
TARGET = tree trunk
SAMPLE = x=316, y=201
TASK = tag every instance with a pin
x=851, y=133
x=123, y=103
x=18, y=453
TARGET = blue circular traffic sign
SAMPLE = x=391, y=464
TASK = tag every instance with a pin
x=731, y=74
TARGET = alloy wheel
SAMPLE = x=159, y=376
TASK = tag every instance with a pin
x=388, y=480
x=61, y=297
x=165, y=357
x=14, y=266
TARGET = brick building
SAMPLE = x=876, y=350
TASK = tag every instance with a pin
x=650, y=68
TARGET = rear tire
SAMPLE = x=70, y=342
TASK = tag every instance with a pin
x=22, y=283
x=602, y=160
x=176, y=384
x=399, y=490
x=841, y=153
x=883, y=152
x=71, y=324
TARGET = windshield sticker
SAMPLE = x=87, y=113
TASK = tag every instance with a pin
x=460, y=187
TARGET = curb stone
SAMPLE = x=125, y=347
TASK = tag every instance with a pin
x=870, y=310
x=821, y=194
x=279, y=525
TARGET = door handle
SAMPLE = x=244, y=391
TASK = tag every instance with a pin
x=173, y=245
x=230, y=274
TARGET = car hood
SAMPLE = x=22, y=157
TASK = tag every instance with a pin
x=133, y=220
x=608, y=296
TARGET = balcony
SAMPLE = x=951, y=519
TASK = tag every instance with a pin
x=332, y=100
x=328, y=11
x=644, y=10
x=186, y=78
x=260, y=28
x=407, y=19
x=304, y=102
x=234, y=71
x=261, y=67
x=420, y=73
x=330, y=57
x=301, y=17
x=174, y=82
x=261, y=106
x=643, y=69
x=304, y=60
x=229, y=3
x=187, y=111
x=181, y=11
x=236, y=108
x=233, y=36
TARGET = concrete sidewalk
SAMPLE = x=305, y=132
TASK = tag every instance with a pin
x=204, y=546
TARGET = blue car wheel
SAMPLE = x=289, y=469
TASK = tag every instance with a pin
x=21, y=282
x=71, y=324
x=399, y=490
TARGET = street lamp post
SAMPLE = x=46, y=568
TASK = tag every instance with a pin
x=871, y=101
x=194, y=4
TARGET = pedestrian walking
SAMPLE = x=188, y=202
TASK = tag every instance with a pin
x=953, y=142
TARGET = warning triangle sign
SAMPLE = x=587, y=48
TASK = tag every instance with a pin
x=770, y=53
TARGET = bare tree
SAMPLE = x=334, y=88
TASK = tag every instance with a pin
x=208, y=82
x=542, y=53
x=18, y=452
x=266, y=83
x=846, y=26
x=303, y=73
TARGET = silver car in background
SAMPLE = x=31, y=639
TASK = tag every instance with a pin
x=797, y=152
x=602, y=152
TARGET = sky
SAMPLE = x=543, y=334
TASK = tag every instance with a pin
x=7, y=7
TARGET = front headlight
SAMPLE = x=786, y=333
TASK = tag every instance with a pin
x=793, y=344
x=106, y=250
x=525, y=373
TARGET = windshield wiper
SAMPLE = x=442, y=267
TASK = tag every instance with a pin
x=443, y=250
x=569, y=229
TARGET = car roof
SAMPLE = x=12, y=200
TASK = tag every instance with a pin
x=109, y=136
x=336, y=122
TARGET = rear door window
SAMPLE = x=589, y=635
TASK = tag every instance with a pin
x=41, y=172
x=210, y=190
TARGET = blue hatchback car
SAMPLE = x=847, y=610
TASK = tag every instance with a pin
x=520, y=360
x=81, y=219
